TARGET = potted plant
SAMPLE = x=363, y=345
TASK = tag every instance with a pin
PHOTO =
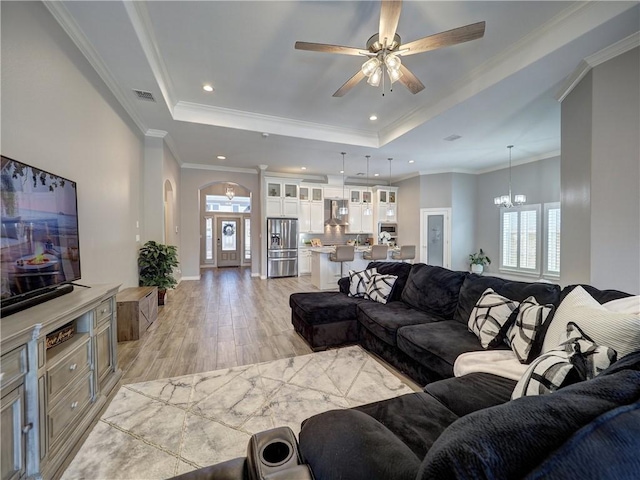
x=478, y=261
x=156, y=262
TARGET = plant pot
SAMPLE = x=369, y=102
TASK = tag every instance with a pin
x=477, y=268
x=161, y=295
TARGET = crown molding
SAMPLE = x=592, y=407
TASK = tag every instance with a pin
x=77, y=36
x=143, y=28
x=218, y=168
x=568, y=25
x=592, y=61
x=524, y=161
x=257, y=122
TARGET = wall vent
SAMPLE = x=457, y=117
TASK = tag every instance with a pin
x=144, y=95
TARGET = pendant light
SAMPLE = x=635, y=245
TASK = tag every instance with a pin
x=367, y=207
x=343, y=210
x=505, y=200
x=390, y=211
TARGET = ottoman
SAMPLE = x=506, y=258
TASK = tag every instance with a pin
x=325, y=319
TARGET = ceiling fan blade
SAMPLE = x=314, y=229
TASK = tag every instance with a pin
x=410, y=81
x=349, y=84
x=389, y=16
x=445, y=39
x=326, y=48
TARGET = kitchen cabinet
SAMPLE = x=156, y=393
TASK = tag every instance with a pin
x=304, y=261
x=311, y=209
x=282, y=198
x=386, y=202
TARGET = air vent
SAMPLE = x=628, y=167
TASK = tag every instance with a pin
x=359, y=174
x=452, y=138
x=144, y=95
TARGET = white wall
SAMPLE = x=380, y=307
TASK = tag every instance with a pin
x=58, y=115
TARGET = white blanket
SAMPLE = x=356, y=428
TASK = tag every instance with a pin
x=502, y=363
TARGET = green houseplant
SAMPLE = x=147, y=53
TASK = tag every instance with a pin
x=478, y=261
x=156, y=263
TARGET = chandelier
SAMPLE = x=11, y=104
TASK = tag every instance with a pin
x=343, y=210
x=505, y=200
x=390, y=211
x=230, y=192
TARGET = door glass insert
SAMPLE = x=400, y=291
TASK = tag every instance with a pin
x=355, y=196
x=304, y=193
x=366, y=197
x=247, y=239
x=317, y=194
x=229, y=236
x=435, y=249
x=392, y=197
x=383, y=196
x=273, y=189
x=291, y=191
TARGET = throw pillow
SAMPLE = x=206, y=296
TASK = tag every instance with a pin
x=380, y=287
x=620, y=331
x=578, y=358
x=489, y=319
x=624, y=305
x=524, y=331
x=359, y=281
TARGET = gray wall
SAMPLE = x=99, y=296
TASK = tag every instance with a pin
x=463, y=219
x=601, y=177
x=408, y=212
x=539, y=181
x=58, y=115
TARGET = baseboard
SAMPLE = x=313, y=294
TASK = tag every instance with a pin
x=255, y=275
x=195, y=277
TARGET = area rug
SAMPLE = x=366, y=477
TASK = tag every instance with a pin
x=162, y=428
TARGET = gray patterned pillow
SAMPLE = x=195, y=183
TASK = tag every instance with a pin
x=359, y=281
x=578, y=358
x=380, y=286
x=524, y=331
x=489, y=319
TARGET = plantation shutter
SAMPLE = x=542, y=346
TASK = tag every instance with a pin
x=510, y=239
x=553, y=240
x=528, y=239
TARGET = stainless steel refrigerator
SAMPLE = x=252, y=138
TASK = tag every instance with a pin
x=282, y=247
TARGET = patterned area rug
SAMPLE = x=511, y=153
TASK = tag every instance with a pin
x=163, y=428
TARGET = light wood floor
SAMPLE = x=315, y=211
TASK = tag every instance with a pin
x=223, y=320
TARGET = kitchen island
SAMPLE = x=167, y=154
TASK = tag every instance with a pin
x=325, y=273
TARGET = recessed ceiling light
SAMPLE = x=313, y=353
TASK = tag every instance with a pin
x=376, y=174
x=303, y=168
x=373, y=117
x=207, y=88
x=221, y=157
x=412, y=161
x=341, y=171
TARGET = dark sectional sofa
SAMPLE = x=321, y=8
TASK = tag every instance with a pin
x=422, y=329
x=458, y=427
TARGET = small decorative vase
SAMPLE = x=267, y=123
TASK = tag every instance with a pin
x=477, y=268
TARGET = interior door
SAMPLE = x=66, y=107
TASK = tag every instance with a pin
x=435, y=235
x=228, y=241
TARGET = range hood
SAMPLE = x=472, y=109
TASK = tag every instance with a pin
x=331, y=216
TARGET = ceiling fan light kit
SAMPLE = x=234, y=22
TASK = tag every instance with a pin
x=385, y=49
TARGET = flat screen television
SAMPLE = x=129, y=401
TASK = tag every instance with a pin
x=39, y=243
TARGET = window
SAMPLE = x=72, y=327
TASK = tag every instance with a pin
x=520, y=242
x=552, y=239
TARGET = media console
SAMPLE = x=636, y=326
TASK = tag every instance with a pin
x=50, y=397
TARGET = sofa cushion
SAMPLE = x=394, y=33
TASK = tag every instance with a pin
x=324, y=307
x=433, y=289
x=474, y=285
x=351, y=444
x=438, y=344
x=511, y=440
x=385, y=320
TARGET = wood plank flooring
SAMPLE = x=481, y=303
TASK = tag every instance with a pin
x=225, y=319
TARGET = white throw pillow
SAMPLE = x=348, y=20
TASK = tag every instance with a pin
x=380, y=286
x=524, y=331
x=620, y=331
x=359, y=281
x=488, y=319
x=624, y=305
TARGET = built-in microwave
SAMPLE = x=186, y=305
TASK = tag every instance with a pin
x=390, y=228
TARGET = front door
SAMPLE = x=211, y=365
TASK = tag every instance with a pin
x=228, y=241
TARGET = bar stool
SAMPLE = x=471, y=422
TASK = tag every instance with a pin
x=407, y=252
x=343, y=253
x=377, y=252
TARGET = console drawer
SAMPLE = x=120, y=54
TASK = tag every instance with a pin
x=70, y=366
x=104, y=311
x=68, y=409
x=13, y=365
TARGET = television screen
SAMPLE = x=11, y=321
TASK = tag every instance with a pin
x=39, y=246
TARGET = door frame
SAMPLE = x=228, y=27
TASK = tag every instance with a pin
x=214, y=237
x=424, y=216
x=240, y=235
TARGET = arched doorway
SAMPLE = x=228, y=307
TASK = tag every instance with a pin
x=169, y=224
x=225, y=228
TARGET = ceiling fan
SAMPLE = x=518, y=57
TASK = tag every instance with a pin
x=384, y=50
